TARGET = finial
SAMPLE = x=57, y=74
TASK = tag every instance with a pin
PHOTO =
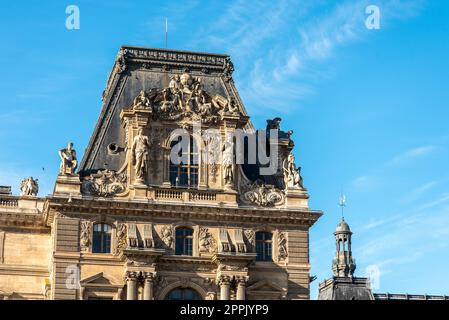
x=342, y=204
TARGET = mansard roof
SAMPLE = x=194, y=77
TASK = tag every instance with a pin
x=136, y=69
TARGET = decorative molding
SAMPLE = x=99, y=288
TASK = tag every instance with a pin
x=260, y=194
x=104, y=183
x=282, y=246
x=304, y=218
x=85, y=235
x=121, y=238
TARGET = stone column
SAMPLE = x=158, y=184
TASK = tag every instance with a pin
x=241, y=287
x=131, y=284
x=148, y=293
x=224, y=283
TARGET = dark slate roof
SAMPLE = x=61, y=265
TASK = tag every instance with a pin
x=345, y=288
x=343, y=227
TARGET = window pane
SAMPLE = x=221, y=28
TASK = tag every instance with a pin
x=184, y=241
x=183, y=294
x=263, y=246
x=101, y=238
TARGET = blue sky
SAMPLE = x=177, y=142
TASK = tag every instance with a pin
x=369, y=108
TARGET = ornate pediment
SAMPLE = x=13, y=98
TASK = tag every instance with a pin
x=99, y=279
x=265, y=286
x=185, y=99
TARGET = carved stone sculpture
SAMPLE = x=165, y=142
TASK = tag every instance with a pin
x=85, y=233
x=228, y=162
x=167, y=235
x=69, y=162
x=139, y=152
x=121, y=60
x=104, y=183
x=292, y=174
x=274, y=124
x=207, y=242
x=186, y=99
x=228, y=69
x=261, y=194
x=282, y=246
x=29, y=187
x=141, y=101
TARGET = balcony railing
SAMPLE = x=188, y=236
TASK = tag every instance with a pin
x=185, y=195
x=7, y=202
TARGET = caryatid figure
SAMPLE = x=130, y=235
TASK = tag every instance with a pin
x=228, y=162
x=139, y=153
x=69, y=162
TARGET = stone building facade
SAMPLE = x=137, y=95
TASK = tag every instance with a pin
x=167, y=201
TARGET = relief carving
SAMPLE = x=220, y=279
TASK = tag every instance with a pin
x=104, y=183
x=282, y=246
x=206, y=241
x=185, y=98
x=121, y=237
x=85, y=233
x=167, y=236
x=258, y=193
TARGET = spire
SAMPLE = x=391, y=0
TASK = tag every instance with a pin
x=343, y=264
x=342, y=204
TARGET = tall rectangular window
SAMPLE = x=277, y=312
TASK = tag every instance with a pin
x=184, y=242
x=264, y=246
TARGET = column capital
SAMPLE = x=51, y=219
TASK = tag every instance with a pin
x=223, y=280
x=241, y=280
x=149, y=276
x=131, y=275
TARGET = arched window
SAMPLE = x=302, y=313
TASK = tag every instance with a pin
x=183, y=294
x=102, y=238
x=184, y=169
x=263, y=246
x=184, y=242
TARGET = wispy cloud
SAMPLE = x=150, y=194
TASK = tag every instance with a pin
x=412, y=154
x=418, y=192
x=365, y=182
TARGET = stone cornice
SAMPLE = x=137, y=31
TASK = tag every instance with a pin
x=205, y=212
x=20, y=270
x=20, y=220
